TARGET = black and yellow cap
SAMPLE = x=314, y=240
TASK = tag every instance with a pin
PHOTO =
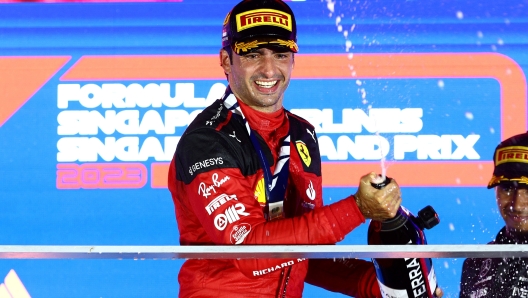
x=511, y=161
x=253, y=24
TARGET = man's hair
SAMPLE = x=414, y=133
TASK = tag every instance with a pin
x=230, y=54
x=229, y=51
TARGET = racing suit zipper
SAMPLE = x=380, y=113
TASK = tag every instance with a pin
x=283, y=282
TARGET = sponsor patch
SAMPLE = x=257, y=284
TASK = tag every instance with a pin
x=310, y=191
x=261, y=17
x=277, y=267
x=213, y=119
x=219, y=201
x=205, y=164
x=303, y=152
x=230, y=215
x=260, y=192
x=479, y=293
x=312, y=134
x=234, y=136
x=308, y=205
x=512, y=154
x=239, y=233
x=205, y=190
x=485, y=267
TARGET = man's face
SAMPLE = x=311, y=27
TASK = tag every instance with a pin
x=512, y=199
x=260, y=77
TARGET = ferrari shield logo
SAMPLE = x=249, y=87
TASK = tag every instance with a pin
x=303, y=152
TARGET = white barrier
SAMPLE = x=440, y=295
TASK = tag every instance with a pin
x=260, y=251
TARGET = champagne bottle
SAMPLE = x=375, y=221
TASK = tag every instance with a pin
x=408, y=277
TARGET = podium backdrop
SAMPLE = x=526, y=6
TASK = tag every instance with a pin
x=94, y=98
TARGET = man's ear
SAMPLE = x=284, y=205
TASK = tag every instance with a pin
x=225, y=62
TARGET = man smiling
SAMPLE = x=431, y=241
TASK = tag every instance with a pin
x=248, y=172
x=506, y=277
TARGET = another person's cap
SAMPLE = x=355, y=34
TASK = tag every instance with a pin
x=511, y=161
x=253, y=24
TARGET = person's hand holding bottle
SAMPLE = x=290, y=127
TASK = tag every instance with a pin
x=378, y=204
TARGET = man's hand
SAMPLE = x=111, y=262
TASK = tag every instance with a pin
x=377, y=204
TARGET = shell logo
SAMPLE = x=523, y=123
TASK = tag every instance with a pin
x=260, y=192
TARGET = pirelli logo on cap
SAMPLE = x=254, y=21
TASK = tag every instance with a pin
x=511, y=154
x=260, y=17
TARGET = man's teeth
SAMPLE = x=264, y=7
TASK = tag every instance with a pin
x=266, y=84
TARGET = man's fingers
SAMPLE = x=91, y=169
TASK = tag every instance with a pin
x=439, y=293
x=390, y=199
x=367, y=179
x=395, y=206
x=375, y=203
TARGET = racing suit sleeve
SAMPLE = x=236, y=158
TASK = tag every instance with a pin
x=224, y=202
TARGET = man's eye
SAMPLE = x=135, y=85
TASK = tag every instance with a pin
x=508, y=189
x=251, y=56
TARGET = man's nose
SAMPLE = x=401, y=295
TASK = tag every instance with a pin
x=520, y=200
x=267, y=66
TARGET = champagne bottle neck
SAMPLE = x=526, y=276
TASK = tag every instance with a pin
x=396, y=222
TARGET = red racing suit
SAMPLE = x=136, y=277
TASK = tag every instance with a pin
x=217, y=183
